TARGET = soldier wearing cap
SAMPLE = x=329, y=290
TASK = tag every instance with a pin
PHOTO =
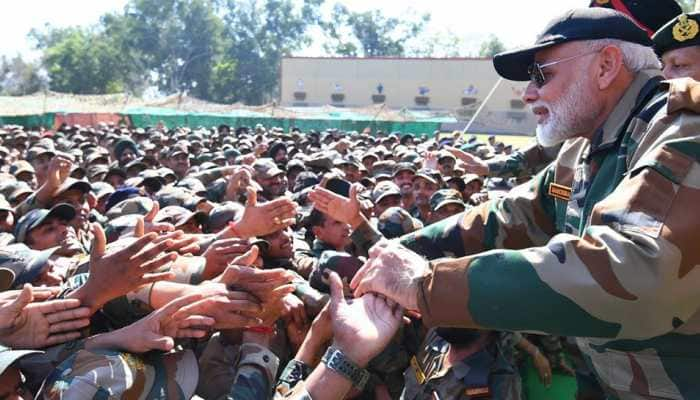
x=678, y=45
x=11, y=382
x=609, y=261
x=178, y=160
x=445, y=203
x=425, y=183
x=385, y=195
x=7, y=221
x=42, y=229
x=270, y=177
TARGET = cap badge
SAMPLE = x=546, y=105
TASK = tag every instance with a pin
x=685, y=29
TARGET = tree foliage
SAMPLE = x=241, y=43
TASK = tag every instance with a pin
x=491, y=46
x=18, y=77
x=217, y=50
x=370, y=33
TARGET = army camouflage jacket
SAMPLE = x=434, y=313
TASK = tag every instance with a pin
x=604, y=236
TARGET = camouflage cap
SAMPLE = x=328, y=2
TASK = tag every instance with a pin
x=25, y=263
x=120, y=226
x=396, y=222
x=175, y=196
x=37, y=151
x=194, y=185
x=36, y=217
x=265, y=168
x=430, y=175
x=94, y=171
x=136, y=205
x=444, y=197
x=403, y=166
x=344, y=264
x=9, y=356
x=21, y=166
x=101, y=189
x=178, y=216
x=383, y=169
x=73, y=184
x=221, y=215
x=178, y=149
x=384, y=189
x=18, y=189
x=320, y=160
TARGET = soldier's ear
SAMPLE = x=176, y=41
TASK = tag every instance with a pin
x=609, y=65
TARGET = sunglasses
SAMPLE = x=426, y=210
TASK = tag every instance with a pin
x=536, y=69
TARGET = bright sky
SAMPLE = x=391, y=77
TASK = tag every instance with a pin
x=516, y=22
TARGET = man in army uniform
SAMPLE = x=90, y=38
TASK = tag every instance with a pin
x=678, y=45
x=650, y=15
x=591, y=212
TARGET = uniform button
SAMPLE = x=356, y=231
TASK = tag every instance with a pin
x=266, y=358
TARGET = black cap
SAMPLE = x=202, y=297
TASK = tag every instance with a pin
x=650, y=15
x=578, y=24
x=681, y=31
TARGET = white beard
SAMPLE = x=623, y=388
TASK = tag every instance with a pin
x=568, y=117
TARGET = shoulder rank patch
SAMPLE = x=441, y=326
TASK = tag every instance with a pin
x=602, y=2
x=685, y=29
x=478, y=392
x=560, y=192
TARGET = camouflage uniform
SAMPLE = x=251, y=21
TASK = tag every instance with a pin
x=102, y=374
x=488, y=370
x=525, y=162
x=615, y=256
x=604, y=236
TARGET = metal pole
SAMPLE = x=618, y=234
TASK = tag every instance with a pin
x=481, y=107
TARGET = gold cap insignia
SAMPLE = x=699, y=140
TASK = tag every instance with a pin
x=685, y=29
x=602, y=2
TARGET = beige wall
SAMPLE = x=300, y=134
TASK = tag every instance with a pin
x=447, y=79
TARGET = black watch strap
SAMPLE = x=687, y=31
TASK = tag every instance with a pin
x=338, y=362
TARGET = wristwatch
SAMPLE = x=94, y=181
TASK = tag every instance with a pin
x=340, y=363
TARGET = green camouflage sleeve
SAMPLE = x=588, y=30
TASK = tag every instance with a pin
x=524, y=218
x=630, y=275
x=522, y=163
x=256, y=373
x=364, y=237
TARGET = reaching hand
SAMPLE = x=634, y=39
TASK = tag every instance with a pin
x=473, y=164
x=230, y=310
x=150, y=226
x=393, y=271
x=431, y=160
x=59, y=170
x=158, y=330
x=222, y=252
x=12, y=302
x=119, y=272
x=36, y=325
x=362, y=327
x=340, y=208
x=263, y=219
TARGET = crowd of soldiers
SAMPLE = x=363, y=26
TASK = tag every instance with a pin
x=260, y=263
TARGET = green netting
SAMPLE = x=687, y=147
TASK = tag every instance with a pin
x=46, y=120
x=142, y=117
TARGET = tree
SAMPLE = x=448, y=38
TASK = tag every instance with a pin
x=445, y=43
x=81, y=60
x=370, y=33
x=491, y=46
x=258, y=34
x=18, y=77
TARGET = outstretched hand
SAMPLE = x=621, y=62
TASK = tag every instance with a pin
x=371, y=320
x=340, y=208
x=29, y=325
x=262, y=219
